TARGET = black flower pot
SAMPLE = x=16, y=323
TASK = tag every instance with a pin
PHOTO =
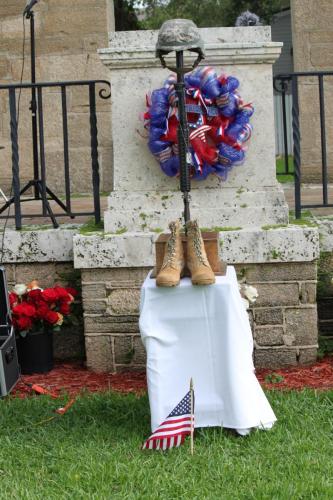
x=35, y=352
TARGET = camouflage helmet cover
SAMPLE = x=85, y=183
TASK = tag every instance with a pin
x=178, y=34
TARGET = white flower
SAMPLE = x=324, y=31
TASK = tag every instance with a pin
x=20, y=289
x=250, y=293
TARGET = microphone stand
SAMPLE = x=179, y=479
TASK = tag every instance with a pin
x=33, y=104
x=38, y=183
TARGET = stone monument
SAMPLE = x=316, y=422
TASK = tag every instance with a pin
x=142, y=197
x=249, y=210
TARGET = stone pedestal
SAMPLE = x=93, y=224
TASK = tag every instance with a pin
x=143, y=198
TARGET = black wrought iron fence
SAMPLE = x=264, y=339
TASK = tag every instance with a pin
x=281, y=84
x=38, y=183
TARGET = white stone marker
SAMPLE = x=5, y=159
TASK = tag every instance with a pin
x=143, y=197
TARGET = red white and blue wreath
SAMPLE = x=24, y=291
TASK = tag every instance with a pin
x=218, y=119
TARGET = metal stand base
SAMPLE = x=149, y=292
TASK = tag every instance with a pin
x=47, y=210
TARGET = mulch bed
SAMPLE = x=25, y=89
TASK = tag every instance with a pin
x=316, y=376
x=73, y=378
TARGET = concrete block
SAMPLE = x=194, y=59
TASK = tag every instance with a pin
x=123, y=350
x=94, y=306
x=275, y=358
x=43, y=273
x=98, y=324
x=269, y=336
x=302, y=323
x=286, y=271
x=139, y=357
x=308, y=293
x=277, y=294
x=307, y=355
x=99, y=353
x=268, y=316
x=38, y=246
x=124, y=302
x=93, y=292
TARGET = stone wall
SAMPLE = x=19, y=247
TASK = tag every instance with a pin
x=68, y=34
x=111, y=299
x=111, y=269
x=312, y=32
x=69, y=341
x=284, y=319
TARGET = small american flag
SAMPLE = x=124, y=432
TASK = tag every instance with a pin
x=178, y=424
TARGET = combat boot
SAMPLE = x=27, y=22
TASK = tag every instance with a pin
x=173, y=262
x=197, y=262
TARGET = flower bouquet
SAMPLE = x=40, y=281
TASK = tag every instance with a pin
x=36, y=314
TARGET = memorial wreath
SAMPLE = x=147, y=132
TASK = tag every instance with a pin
x=218, y=120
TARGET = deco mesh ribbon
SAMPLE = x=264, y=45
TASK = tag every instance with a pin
x=218, y=120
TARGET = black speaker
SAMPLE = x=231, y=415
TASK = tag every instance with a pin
x=9, y=367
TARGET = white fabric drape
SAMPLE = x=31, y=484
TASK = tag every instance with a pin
x=202, y=332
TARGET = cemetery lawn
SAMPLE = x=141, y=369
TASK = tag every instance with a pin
x=93, y=452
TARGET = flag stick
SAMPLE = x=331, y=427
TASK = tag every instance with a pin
x=192, y=415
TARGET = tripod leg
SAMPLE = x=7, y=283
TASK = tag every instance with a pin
x=12, y=199
x=56, y=199
x=46, y=204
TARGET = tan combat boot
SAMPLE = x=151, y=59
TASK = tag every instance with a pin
x=173, y=263
x=197, y=261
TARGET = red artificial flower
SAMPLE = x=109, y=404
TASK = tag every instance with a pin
x=71, y=291
x=64, y=308
x=50, y=295
x=24, y=309
x=62, y=293
x=35, y=296
x=42, y=310
x=51, y=317
x=13, y=299
x=23, y=323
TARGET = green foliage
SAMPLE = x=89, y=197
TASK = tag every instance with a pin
x=325, y=346
x=91, y=227
x=218, y=229
x=274, y=378
x=125, y=15
x=305, y=220
x=93, y=452
x=208, y=13
x=273, y=226
x=121, y=230
x=275, y=254
x=280, y=168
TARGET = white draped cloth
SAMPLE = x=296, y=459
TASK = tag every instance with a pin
x=202, y=332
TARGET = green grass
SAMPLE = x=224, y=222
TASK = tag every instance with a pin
x=91, y=227
x=280, y=167
x=94, y=452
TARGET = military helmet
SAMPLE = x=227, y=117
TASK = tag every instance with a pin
x=179, y=34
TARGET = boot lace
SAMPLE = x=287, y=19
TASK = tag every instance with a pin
x=170, y=255
x=197, y=245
